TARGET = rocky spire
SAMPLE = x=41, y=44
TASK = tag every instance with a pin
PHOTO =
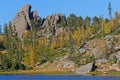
x=22, y=20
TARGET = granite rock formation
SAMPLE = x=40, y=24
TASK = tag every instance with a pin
x=22, y=20
x=52, y=25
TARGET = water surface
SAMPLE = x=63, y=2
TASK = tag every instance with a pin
x=57, y=77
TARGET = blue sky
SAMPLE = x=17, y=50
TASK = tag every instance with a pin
x=9, y=8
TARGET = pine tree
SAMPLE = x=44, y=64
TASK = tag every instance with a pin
x=110, y=9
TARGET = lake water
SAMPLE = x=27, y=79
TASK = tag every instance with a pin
x=57, y=77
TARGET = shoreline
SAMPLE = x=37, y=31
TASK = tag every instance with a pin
x=98, y=73
x=34, y=72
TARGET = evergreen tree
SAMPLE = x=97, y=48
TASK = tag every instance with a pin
x=87, y=21
x=110, y=9
x=71, y=20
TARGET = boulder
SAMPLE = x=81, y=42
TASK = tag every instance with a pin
x=117, y=48
x=82, y=50
x=103, y=50
x=84, y=69
x=101, y=61
x=116, y=54
x=109, y=37
x=69, y=64
x=99, y=53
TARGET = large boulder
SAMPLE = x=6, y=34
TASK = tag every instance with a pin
x=22, y=20
x=103, y=48
x=109, y=38
x=101, y=61
x=84, y=69
x=117, y=55
x=99, y=53
x=69, y=64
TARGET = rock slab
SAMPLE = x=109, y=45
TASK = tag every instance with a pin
x=84, y=69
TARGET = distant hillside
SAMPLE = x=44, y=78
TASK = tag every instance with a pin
x=60, y=43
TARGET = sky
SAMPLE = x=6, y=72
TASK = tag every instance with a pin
x=9, y=8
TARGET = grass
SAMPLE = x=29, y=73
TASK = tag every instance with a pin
x=96, y=73
x=110, y=73
x=115, y=73
x=35, y=72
